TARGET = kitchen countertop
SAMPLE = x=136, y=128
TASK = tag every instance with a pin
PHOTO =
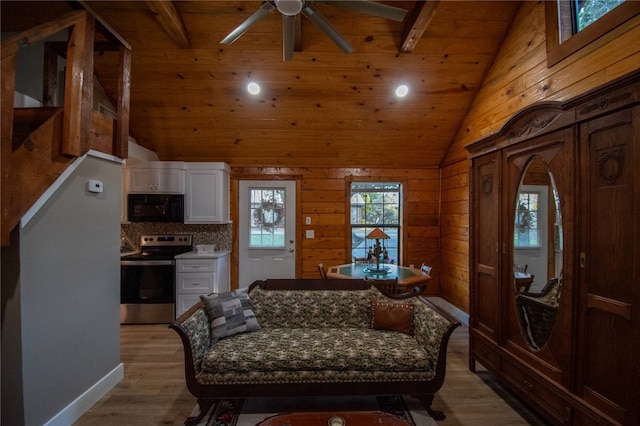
x=196, y=255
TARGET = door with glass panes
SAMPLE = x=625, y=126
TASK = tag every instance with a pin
x=266, y=230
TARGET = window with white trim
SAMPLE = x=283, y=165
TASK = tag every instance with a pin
x=375, y=204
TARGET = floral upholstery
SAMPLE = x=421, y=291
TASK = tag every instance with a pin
x=428, y=328
x=317, y=336
x=199, y=331
x=311, y=376
x=313, y=308
x=295, y=349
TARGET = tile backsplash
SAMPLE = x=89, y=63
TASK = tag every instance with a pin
x=220, y=235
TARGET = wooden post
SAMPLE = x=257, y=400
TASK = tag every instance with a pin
x=8, y=86
x=79, y=88
x=50, y=76
x=121, y=138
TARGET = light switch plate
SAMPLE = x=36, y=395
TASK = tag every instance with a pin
x=311, y=233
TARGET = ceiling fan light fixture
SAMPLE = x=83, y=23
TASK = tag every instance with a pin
x=289, y=7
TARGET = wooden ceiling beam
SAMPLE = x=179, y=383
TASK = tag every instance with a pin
x=169, y=17
x=417, y=24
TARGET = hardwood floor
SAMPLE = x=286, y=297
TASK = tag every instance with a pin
x=153, y=391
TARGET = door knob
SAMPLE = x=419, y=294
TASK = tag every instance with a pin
x=290, y=250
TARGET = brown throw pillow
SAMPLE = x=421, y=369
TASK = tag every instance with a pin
x=392, y=316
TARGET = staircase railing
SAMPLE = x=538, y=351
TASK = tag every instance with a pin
x=39, y=144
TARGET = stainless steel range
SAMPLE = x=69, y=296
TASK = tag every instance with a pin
x=147, y=279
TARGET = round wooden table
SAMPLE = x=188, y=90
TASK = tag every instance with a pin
x=406, y=276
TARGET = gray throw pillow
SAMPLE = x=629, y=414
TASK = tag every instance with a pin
x=230, y=313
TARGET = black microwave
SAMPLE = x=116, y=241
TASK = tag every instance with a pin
x=155, y=208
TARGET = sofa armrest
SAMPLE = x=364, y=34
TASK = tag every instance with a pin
x=432, y=328
x=195, y=332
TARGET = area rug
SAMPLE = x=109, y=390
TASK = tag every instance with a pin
x=238, y=412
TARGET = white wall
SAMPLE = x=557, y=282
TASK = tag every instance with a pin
x=64, y=301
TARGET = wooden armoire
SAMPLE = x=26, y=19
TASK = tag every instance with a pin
x=557, y=192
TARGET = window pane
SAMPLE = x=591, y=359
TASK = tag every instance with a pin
x=589, y=11
x=267, y=218
x=375, y=204
x=526, y=221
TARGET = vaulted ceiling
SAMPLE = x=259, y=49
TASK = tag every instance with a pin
x=322, y=107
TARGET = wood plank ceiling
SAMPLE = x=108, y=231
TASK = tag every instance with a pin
x=322, y=108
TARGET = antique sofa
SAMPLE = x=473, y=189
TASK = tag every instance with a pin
x=313, y=337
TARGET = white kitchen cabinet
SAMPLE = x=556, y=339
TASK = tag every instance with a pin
x=162, y=177
x=198, y=274
x=206, y=193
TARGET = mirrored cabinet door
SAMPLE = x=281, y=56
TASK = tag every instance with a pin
x=536, y=272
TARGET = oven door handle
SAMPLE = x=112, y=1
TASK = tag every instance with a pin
x=146, y=262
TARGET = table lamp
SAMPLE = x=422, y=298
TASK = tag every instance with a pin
x=377, y=250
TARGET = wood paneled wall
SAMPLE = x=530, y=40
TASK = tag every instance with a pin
x=323, y=195
x=454, y=234
x=520, y=77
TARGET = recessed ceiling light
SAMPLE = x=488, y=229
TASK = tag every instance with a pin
x=253, y=88
x=402, y=91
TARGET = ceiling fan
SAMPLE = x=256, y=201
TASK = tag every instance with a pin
x=290, y=8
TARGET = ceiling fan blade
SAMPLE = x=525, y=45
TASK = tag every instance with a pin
x=321, y=22
x=264, y=10
x=370, y=8
x=288, y=36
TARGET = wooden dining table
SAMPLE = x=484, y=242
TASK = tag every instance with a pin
x=523, y=281
x=406, y=276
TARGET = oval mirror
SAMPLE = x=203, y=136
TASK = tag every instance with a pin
x=537, y=253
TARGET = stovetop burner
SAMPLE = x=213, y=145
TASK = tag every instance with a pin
x=161, y=247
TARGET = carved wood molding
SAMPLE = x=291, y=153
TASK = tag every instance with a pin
x=605, y=103
x=487, y=184
x=611, y=165
x=533, y=124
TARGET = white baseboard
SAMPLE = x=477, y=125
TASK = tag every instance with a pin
x=77, y=408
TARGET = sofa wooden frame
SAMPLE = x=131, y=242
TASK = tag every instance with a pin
x=208, y=394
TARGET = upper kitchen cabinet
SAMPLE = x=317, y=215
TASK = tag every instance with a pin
x=161, y=177
x=207, y=193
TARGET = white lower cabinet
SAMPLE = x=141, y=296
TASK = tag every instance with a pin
x=197, y=275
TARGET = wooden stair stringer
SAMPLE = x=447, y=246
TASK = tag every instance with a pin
x=34, y=167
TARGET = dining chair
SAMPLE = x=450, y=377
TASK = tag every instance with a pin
x=426, y=269
x=387, y=285
x=359, y=259
x=518, y=267
x=323, y=272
